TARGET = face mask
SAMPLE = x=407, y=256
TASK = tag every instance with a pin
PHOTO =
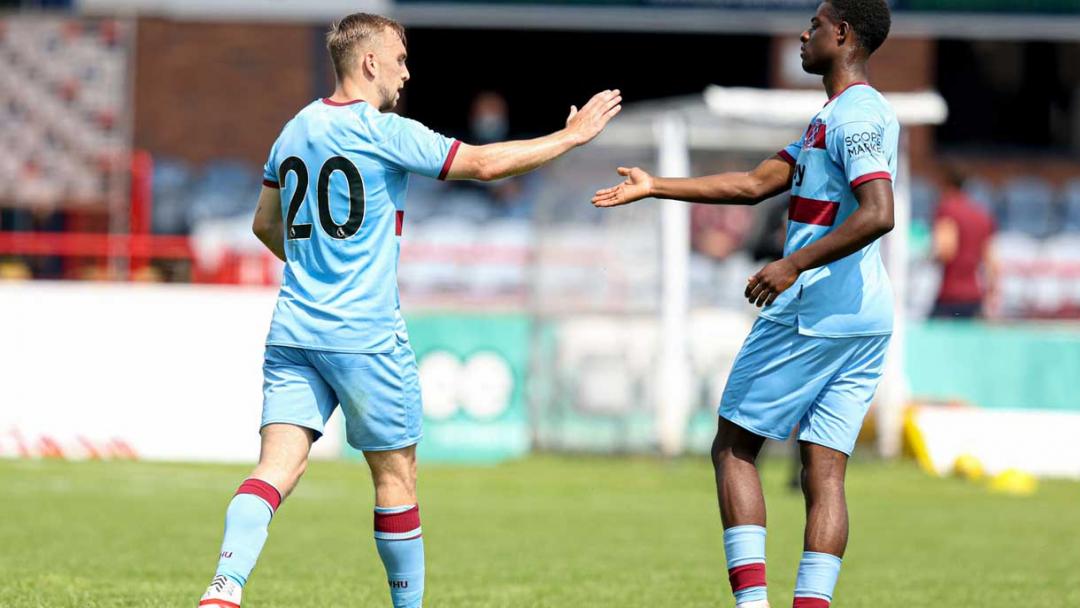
x=488, y=128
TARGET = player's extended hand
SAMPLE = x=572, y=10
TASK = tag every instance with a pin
x=590, y=120
x=638, y=185
x=770, y=281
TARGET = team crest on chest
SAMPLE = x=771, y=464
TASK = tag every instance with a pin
x=815, y=135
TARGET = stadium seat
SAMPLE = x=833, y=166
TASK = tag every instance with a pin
x=1028, y=205
x=924, y=198
x=172, y=185
x=1019, y=256
x=984, y=193
x=1071, y=206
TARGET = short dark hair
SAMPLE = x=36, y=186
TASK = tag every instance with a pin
x=352, y=31
x=871, y=20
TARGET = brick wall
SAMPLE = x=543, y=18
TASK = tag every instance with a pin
x=213, y=90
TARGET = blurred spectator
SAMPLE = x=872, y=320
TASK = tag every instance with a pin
x=489, y=122
x=716, y=231
x=489, y=118
x=962, y=245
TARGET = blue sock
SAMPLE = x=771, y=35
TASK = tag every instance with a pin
x=817, y=577
x=744, y=547
x=246, y=522
x=397, y=537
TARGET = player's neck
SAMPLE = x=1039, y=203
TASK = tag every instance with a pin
x=842, y=77
x=348, y=91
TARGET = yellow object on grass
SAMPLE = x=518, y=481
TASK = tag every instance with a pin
x=968, y=467
x=1014, y=482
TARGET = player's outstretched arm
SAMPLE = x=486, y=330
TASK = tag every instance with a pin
x=870, y=221
x=768, y=179
x=506, y=159
x=268, y=224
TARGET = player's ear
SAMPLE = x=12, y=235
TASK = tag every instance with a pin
x=370, y=63
x=843, y=33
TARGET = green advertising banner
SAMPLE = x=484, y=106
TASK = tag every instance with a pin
x=472, y=374
x=995, y=366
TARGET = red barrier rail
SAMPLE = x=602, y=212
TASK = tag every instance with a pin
x=81, y=244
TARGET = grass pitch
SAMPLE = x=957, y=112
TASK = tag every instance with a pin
x=555, y=532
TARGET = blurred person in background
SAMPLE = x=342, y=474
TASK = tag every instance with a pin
x=489, y=122
x=717, y=232
x=962, y=243
x=337, y=336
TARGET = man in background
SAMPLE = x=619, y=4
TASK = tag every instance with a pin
x=962, y=236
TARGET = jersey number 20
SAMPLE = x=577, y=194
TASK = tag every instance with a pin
x=329, y=226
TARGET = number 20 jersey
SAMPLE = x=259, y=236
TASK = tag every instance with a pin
x=343, y=170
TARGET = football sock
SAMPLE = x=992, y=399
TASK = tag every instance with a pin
x=817, y=579
x=246, y=522
x=401, y=547
x=744, y=547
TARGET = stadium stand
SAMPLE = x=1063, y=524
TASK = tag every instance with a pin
x=61, y=93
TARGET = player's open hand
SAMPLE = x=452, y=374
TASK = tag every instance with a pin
x=771, y=281
x=638, y=185
x=590, y=120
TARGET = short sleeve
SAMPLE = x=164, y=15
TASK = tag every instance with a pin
x=270, y=177
x=859, y=147
x=414, y=148
x=791, y=152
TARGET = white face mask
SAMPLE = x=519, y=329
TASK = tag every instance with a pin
x=489, y=128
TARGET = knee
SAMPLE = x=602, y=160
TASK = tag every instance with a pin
x=396, y=486
x=822, y=485
x=725, y=453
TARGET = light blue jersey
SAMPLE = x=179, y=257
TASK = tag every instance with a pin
x=343, y=172
x=851, y=141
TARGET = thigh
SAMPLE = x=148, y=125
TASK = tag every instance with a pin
x=835, y=418
x=775, y=378
x=294, y=392
x=380, y=396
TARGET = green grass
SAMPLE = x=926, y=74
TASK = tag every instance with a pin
x=547, y=531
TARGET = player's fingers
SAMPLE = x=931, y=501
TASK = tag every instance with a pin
x=623, y=171
x=753, y=292
x=772, y=298
x=612, y=112
x=762, y=295
x=595, y=99
x=612, y=101
x=573, y=112
x=751, y=283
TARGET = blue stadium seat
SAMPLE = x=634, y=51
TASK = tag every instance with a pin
x=924, y=198
x=1029, y=207
x=172, y=181
x=984, y=193
x=1071, y=206
x=226, y=188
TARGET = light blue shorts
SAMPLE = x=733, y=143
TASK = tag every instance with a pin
x=379, y=393
x=781, y=378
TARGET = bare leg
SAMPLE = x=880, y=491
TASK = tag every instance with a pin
x=394, y=475
x=738, y=486
x=284, y=456
x=397, y=524
x=282, y=461
x=823, y=474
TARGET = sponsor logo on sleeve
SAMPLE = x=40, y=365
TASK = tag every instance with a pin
x=864, y=143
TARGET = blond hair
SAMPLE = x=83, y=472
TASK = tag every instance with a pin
x=348, y=33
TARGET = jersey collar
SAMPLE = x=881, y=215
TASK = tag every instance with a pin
x=338, y=104
x=843, y=90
